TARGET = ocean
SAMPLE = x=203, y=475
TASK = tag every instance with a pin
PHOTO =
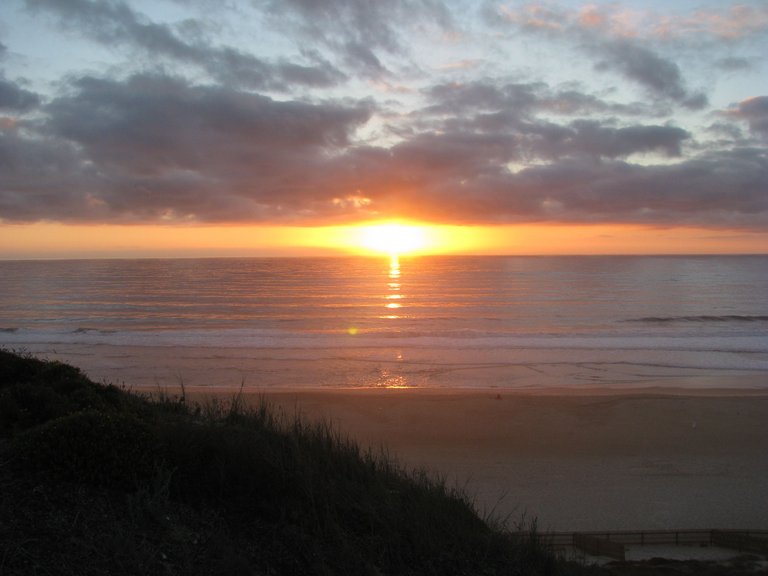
x=437, y=321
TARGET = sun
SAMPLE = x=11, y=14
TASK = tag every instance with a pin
x=393, y=238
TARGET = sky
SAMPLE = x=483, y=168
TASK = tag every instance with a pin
x=278, y=127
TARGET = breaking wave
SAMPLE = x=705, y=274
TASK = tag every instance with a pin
x=701, y=318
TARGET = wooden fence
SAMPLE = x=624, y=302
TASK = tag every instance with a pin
x=613, y=544
x=596, y=546
x=756, y=542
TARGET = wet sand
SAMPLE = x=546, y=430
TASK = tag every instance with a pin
x=386, y=367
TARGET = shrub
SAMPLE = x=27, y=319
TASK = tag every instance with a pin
x=25, y=405
x=15, y=368
x=34, y=391
x=97, y=448
x=240, y=468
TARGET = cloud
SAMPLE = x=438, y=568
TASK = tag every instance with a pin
x=611, y=35
x=457, y=98
x=513, y=110
x=12, y=96
x=159, y=148
x=723, y=190
x=616, y=20
x=154, y=147
x=360, y=32
x=40, y=177
x=15, y=98
x=755, y=112
x=737, y=22
x=362, y=59
x=589, y=137
x=536, y=17
x=727, y=130
x=735, y=64
x=659, y=76
x=116, y=23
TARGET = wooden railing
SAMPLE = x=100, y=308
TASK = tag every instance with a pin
x=596, y=546
x=756, y=542
x=612, y=544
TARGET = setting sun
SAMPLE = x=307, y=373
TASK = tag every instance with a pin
x=394, y=238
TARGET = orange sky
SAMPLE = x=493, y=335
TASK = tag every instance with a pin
x=88, y=241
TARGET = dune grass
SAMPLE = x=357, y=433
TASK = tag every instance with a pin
x=96, y=480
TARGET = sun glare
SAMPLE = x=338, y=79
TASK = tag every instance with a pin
x=393, y=238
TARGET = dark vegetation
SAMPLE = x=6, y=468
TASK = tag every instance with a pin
x=96, y=480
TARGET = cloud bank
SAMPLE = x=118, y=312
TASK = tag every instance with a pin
x=205, y=122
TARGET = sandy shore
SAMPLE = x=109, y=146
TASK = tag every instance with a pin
x=586, y=461
x=603, y=443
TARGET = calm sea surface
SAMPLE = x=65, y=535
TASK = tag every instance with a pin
x=712, y=305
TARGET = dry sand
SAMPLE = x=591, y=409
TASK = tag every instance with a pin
x=604, y=460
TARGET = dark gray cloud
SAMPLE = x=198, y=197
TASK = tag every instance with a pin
x=41, y=177
x=459, y=98
x=511, y=111
x=169, y=111
x=613, y=49
x=361, y=58
x=361, y=31
x=735, y=64
x=589, y=137
x=377, y=23
x=524, y=99
x=659, y=76
x=723, y=190
x=730, y=131
x=755, y=112
x=154, y=147
x=12, y=96
x=114, y=23
x=574, y=102
x=157, y=148
x=540, y=140
x=15, y=98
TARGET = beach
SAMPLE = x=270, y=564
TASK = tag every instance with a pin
x=594, y=460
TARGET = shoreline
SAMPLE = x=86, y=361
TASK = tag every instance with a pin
x=393, y=367
x=556, y=392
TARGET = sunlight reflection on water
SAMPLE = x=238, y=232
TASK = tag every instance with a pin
x=394, y=286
